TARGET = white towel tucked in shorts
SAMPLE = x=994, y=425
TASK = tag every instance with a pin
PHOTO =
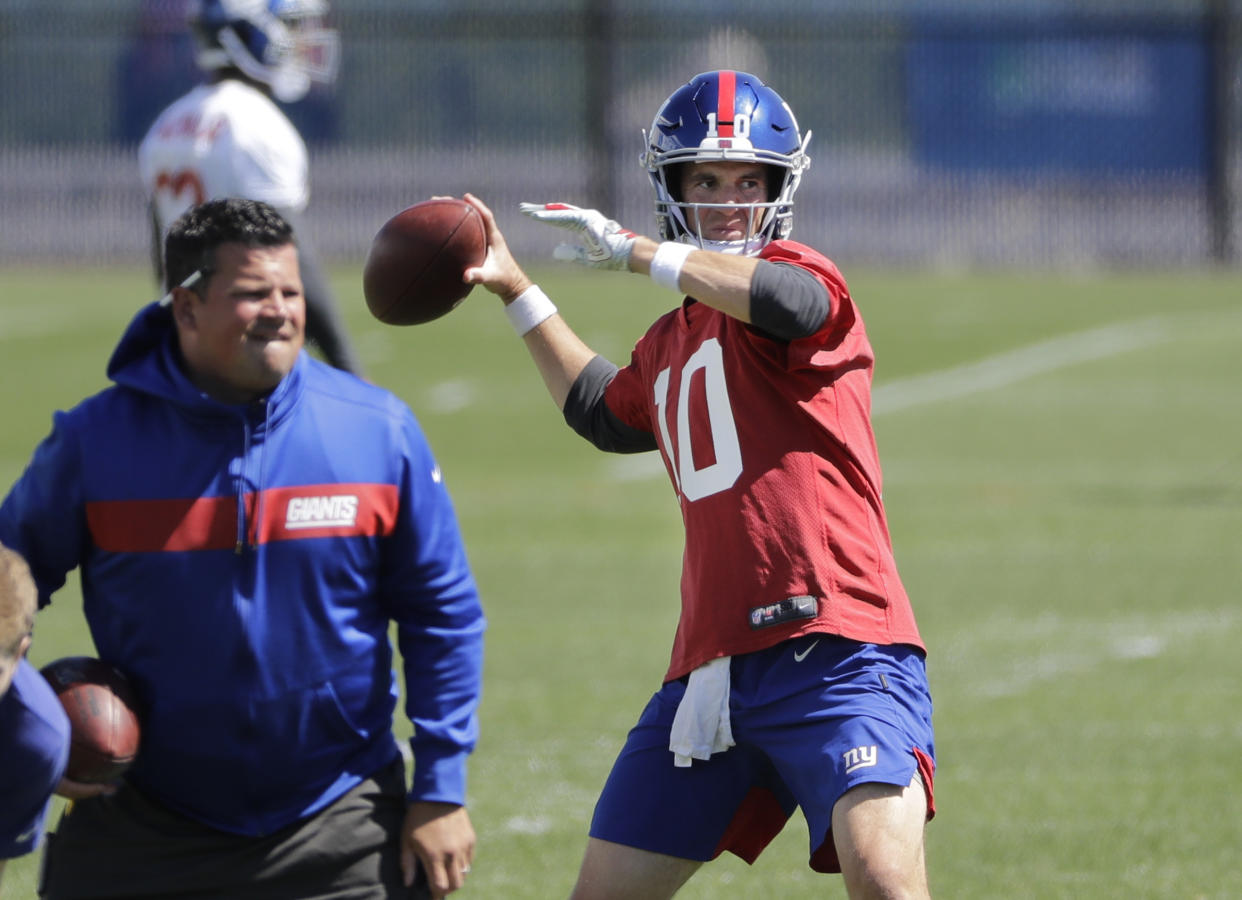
x=701, y=726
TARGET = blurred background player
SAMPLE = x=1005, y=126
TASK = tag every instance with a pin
x=34, y=730
x=797, y=676
x=228, y=138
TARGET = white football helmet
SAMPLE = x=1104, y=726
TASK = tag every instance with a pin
x=281, y=43
x=731, y=116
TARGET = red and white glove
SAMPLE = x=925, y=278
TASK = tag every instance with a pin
x=598, y=242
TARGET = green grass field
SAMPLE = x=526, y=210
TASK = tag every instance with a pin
x=1063, y=465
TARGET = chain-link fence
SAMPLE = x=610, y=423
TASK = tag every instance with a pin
x=976, y=132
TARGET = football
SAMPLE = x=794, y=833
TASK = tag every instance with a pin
x=413, y=270
x=103, y=722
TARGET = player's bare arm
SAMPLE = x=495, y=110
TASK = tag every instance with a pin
x=722, y=282
x=559, y=353
x=786, y=301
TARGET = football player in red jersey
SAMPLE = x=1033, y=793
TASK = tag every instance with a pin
x=797, y=676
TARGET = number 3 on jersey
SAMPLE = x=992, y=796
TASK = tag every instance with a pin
x=692, y=483
x=181, y=184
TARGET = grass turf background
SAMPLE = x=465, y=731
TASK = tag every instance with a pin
x=1067, y=524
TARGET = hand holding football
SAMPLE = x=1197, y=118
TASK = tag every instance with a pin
x=413, y=272
x=101, y=705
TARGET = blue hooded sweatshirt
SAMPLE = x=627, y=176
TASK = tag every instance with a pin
x=243, y=564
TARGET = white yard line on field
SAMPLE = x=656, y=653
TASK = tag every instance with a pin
x=987, y=374
x=1007, y=368
x=1115, y=641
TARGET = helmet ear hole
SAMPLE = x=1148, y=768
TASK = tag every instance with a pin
x=775, y=177
x=253, y=41
x=673, y=175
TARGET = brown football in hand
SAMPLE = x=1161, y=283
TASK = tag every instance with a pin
x=413, y=271
x=103, y=718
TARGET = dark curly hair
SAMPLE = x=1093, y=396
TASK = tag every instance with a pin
x=192, y=241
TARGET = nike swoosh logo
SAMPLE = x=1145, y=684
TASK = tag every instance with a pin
x=798, y=657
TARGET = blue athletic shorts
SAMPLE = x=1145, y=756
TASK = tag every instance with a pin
x=812, y=718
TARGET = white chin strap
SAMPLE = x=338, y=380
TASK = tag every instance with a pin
x=748, y=247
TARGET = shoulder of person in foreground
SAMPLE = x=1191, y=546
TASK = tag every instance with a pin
x=34, y=743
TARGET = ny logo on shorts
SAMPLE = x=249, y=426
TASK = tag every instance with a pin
x=860, y=757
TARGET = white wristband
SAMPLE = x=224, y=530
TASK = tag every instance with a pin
x=666, y=265
x=531, y=307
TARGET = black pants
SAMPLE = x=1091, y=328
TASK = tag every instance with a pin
x=126, y=846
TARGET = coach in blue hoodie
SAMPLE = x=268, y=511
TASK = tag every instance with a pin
x=248, y=522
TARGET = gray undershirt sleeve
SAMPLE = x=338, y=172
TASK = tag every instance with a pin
x=588, y=414
x=787, y=302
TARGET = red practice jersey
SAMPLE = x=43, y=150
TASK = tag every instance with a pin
x=771, y=452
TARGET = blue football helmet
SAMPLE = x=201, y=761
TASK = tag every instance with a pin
x=280, y=43
x=731, y=116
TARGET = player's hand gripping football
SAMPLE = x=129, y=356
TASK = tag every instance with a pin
x=598, y=240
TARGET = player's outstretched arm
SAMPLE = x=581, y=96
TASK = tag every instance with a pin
x=719, y=280
x=558, y=352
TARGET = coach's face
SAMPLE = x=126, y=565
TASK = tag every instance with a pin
x=244, y=334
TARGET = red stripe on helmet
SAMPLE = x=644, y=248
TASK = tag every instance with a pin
x=724, y=103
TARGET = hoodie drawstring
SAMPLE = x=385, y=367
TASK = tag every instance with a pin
x=241, y=488
x=257, y=520
x=260, y=502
